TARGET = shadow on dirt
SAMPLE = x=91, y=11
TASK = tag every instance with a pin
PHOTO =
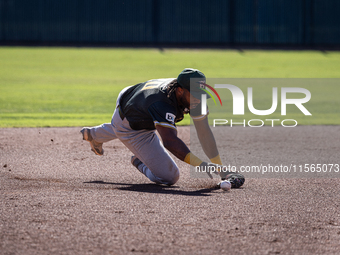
x=154, y=188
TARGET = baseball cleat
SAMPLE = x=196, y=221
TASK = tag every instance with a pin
x=95, y=146
x=236, y=179
x=136, y=162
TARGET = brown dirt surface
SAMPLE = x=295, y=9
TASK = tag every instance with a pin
x=57, y=197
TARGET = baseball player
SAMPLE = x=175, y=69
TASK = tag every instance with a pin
x=159, y=104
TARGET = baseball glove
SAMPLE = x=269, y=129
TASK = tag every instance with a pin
x=236, y=180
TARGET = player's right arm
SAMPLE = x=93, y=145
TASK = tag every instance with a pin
x=172, y=143
x=164, y=121
x=177, y=147
x=164, y=116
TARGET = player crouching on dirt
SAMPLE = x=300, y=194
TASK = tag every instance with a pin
x=157, y=105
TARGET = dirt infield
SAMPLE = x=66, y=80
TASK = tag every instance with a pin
x=57, y=197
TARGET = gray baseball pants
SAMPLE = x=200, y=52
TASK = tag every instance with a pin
x=157, y=165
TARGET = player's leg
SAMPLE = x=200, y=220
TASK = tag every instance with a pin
x=156, y=164
x=103, y=133
x=98, y=135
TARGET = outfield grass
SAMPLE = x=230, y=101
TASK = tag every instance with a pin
x=78, y=86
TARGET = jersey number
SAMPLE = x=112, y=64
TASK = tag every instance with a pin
x=152, y=85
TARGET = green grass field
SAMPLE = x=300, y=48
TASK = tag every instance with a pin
x=45, y=87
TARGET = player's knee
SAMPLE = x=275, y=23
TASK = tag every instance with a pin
x=174, y=178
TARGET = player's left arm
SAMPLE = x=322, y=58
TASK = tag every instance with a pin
x=207, y=140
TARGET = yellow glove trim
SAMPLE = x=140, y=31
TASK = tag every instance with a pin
x=192, y=159
x=216, y=160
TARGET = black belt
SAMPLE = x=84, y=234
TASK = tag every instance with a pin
x=121, y=114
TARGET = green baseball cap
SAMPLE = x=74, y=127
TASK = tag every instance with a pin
x=192, y=80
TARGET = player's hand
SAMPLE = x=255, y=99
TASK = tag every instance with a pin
x=210, y=168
